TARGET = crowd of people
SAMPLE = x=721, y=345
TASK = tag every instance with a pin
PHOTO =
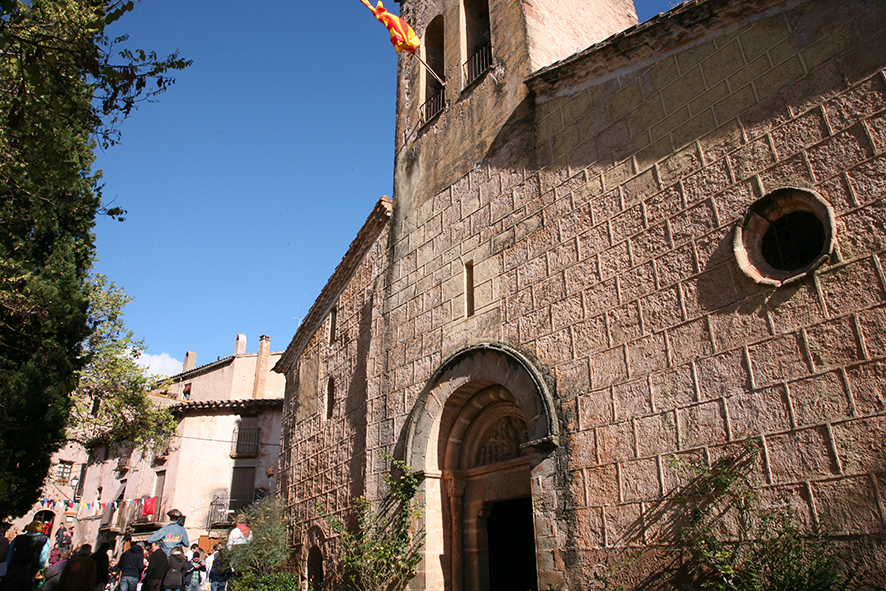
x=164, y=562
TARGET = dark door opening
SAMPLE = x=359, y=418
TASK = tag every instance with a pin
x=315, y=569
x=512, y=546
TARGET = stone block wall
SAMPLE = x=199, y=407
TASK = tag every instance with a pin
x=600, y=230
x=323, y=456
x=607, y=253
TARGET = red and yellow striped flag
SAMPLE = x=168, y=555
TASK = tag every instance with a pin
x=402, y=35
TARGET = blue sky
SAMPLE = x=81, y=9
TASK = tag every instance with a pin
x=246, y=182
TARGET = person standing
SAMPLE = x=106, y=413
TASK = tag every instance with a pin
x=63, y=538
x=194, y=573
x=157, y=566
x=241, y=534
x=19, y=576
x=4, y=547
x=221, y=570
x=32, y=543
x=132, y=564
x=172, y=535
x=54, y=572
x=175, y=573
x=102, y=566
x=79, y=572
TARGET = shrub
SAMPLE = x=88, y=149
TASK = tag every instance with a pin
x=381, y=553
x=269, y=547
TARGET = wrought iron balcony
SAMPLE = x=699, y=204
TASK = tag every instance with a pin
x=432, y=107
x=125, y=515
x=222, y=510
x=246, y=442
x=477, y=64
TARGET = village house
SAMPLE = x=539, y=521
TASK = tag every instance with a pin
x=609, y=244
x=223, y=458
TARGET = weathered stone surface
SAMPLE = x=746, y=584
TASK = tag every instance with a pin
x=597, y=200
x=800, y=454
x=757, y=413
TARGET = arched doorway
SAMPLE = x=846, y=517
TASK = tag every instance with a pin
x=482, y=426
x=315, y=569
x=47, y=518
x=487, y=474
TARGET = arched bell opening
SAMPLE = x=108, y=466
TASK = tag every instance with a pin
x=480, y=430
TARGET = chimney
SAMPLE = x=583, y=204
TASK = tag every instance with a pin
x=190, y=361
x=240, y=344
x=261, y=367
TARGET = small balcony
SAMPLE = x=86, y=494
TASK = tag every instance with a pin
x=246, y=442
x=222, y=510
x=125, y=516
x=432, y=107
x=477, y=64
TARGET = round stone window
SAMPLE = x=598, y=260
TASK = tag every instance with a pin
x=784, y=236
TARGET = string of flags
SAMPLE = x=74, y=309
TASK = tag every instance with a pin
x=147, y=505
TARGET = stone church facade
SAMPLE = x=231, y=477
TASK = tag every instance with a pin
x=610, y=244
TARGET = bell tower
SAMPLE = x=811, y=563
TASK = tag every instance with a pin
x=477, y=105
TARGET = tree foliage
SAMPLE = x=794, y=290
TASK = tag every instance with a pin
x=111, y=406
x=62, y=86
x=269, y=547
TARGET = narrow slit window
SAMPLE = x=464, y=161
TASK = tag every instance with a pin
x=333, y=316
x=469, y=288
x=330, y=398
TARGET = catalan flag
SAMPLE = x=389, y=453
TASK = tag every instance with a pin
x=402, y=35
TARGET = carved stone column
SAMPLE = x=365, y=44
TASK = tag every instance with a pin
x=455, y=488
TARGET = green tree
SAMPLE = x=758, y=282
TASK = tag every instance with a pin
x=62, y=87
x=269, y=547
x=111, y=406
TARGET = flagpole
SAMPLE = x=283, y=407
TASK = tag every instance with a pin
x=428, y=68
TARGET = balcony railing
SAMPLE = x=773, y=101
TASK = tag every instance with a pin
x=245, y=442
x=477, y=64
x=124, y=515
x=432, y=106
x=224, y=509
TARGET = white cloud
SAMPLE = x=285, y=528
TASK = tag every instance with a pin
x=162, y=364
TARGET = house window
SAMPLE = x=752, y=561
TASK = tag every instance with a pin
x=77, y=483
x=186, y=392
x=246, y=437
x=242, y=488
x=63, y=472
x=477, y=46
x=160, y=483
x=433, y=95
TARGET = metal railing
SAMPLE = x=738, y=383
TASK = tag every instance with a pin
x=224, y=509
x=245, y=442
x=124, y=514
x=477, y=64
x=432, y=106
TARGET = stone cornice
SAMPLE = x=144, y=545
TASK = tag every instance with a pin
x=343, y=273
x=693, y=20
